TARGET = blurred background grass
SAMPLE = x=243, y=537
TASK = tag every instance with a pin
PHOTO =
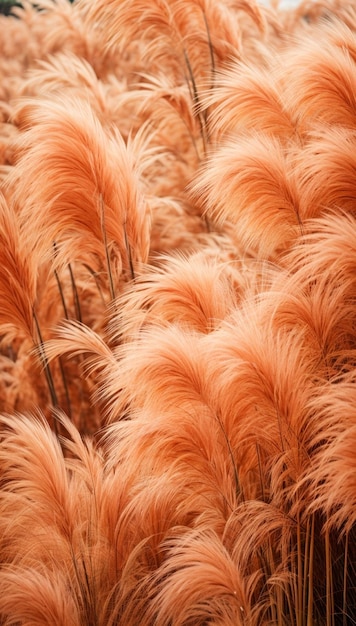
x=7, y=5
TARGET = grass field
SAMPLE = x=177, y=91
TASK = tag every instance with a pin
x=177, y=314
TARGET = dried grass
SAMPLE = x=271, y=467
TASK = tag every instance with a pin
x=177, y=314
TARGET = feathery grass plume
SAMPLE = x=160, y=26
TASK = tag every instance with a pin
x=330, y=485
x=7, y=136
x=319, y=84
x=58, y=519
x=326, y=171
x=145, y=22
x=17, y=46
x=56, y=25
x=96, y=557
x=213, y=26
x=177, y=224
x=319, y=296
x=24, y=384
x=212, y=33
x=266, y=398
x=346, y=13
x=331, y=478
x=247, y=97
x=223, y=490
x=183, y=482
x=200, y=583
x=7, y=381
x=195, y=291
x=18, y=272
x=61, y=22
x=182, y=34
x=170, y=109
x=192, y=459
x=178, y=478
x=88, y=200
x=36, y=596
x=70, y=340
x=249, y=181
x=167, y=109
x=37, y=515
x=173, y=35
x=170, y=372
x=36, y=485
x=303, y=17
x=261, y=537
x=65, y=72
x=259, y=380
x=217, y=24
x=340, y=34
x=309, y=14
x=324, y=316
x=49, y=26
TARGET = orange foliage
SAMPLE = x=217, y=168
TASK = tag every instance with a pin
x=177, y=313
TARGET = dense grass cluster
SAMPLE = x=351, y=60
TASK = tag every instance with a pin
x=178, y=314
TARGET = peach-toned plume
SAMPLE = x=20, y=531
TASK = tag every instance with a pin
x=177, y=313
x=247, y=97
x=18, y=274
x=326, y=170
x=196, y=291
x=324, y=93
x=249, y=182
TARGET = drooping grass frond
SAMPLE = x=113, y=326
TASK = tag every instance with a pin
x=18, y=273
x=89, y=190
x=247, y=98
x=259, y=401
x=162, y=360
x=96, y=361
x=177, y=234
x=324, y=92
x=326, y=169
x=332, y=476
x=318, y=295
x=194, y=292
x=36, y=596
x=249, y=182
x=67, y=73
x=203, y=575
x=168, y=106
x=55, y=525
x=127, y=22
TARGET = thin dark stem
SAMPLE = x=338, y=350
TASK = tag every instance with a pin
x=60, y=289
x=46, y=368
x=196, y=100
x=236, y=476
x=65, y=386
x=344, y=592
x=78, y=311
x=97, y=282
x=108, y=264
x=128, y=248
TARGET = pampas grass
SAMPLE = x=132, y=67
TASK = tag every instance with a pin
x=84, y=162
x=17, y=279
x=259, y=194
x=326, y=92
x=177, y=314
x=246, y=98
